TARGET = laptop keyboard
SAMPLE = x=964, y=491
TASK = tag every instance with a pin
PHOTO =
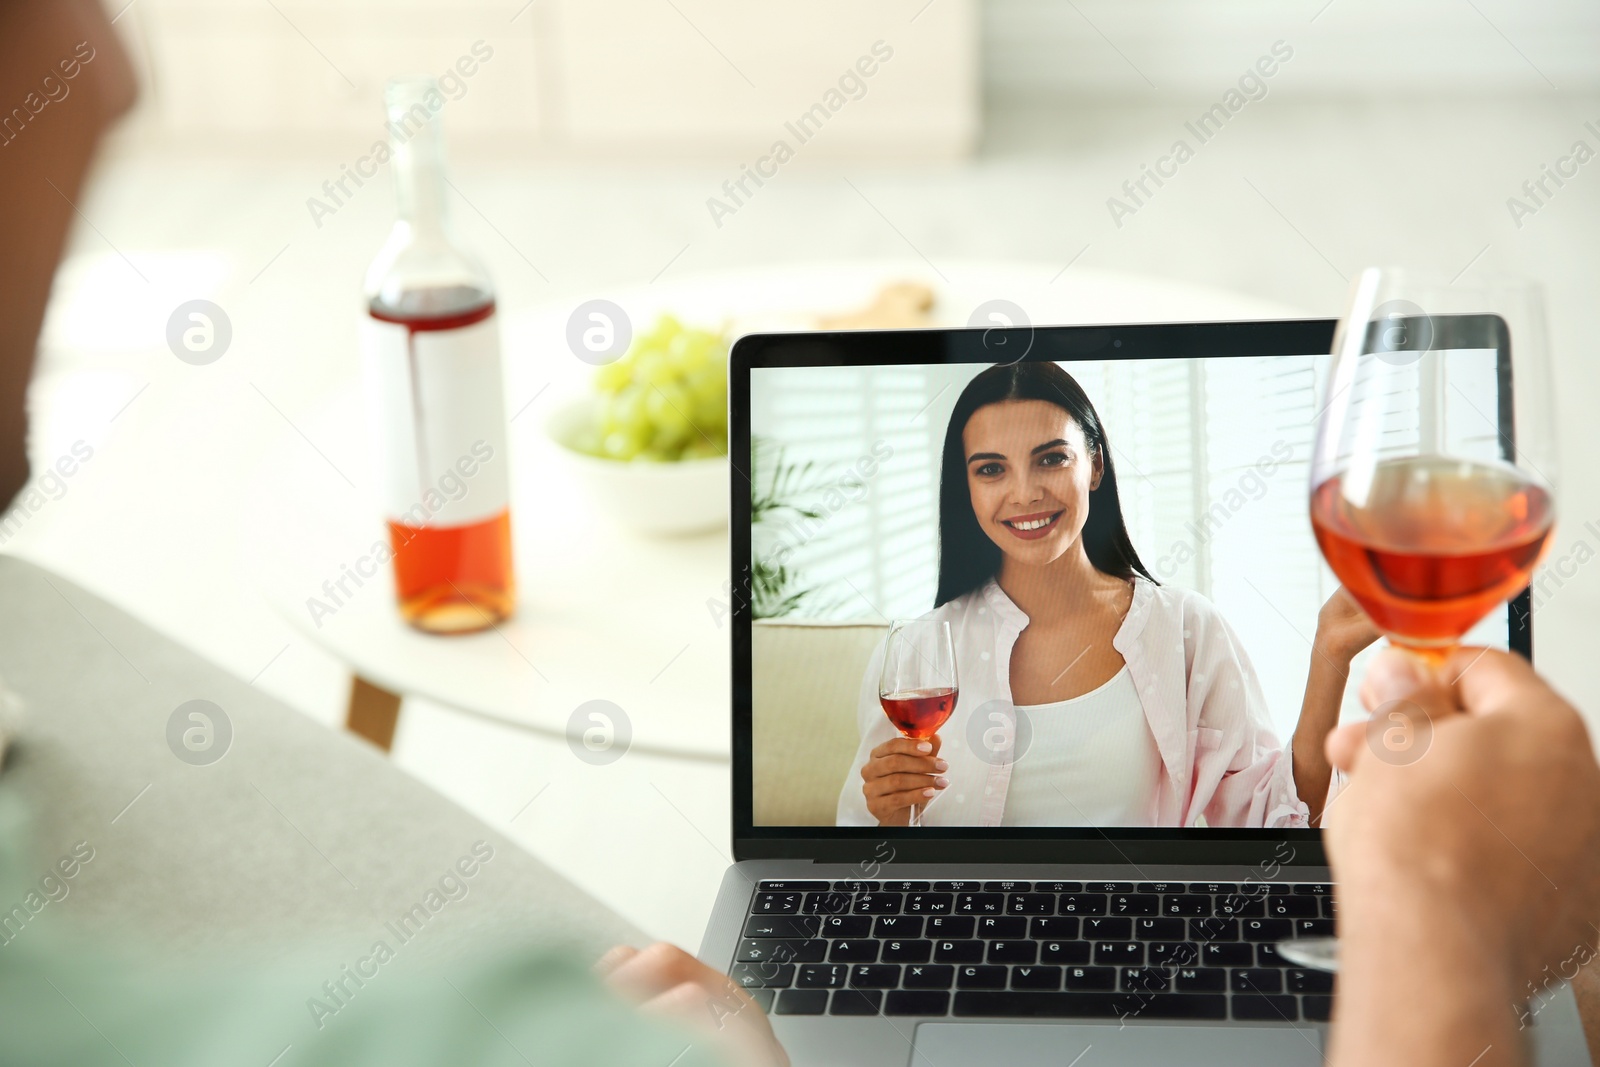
x=1037, y=950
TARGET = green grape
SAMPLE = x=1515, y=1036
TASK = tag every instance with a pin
x=664, y=400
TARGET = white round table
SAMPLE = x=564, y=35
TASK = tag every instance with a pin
x=603, y=614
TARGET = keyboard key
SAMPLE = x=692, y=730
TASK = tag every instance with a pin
x=1173, y=953
x=1329, y=905
x=907, y=887
x=1058, y=887
x=1305, y=980
x=980, y=977
x=855, y=886
x=829, y=903
x=1159, y=888
x=1021, y=1004
x=1214, y=929
x=929, y=903
x=1081, y=904
x=1227, y=954
x=1318, y=1009
x=791, y=887
x=914, y=951
x=855, y=1002
x=928, y=976
x=781, y=926
x=846, y=926
x=958, y=951
x=1108, y=887
x=1064, y=951
x=957, y=887
x=1314, y=889
x=1279, y=889
x=1202, y=979
x=1036, y=978
x=1083, y=978
x=1313, y=928
x=802, y=1002
x=1031, y=904
x=1008, y=887
x=897, y=926
x=758, y=975
x=781, y=951
x=1186, y=905
x=1265, y=929
x=822, y=975
x=1270, y=1008
x=1135, y=904
x=1267, y=955
x=916, y=1002
x=1013, y=952
x=1240, y=907
x=1158, y=929
x=763, y=998
x=1256, y=980
x=1107, y=929
x=1119, y=953
x=1146, y=979
x=878, y=904
x=1293, y=907
x=980, y=903
x=864, y=950
x=1213, y=888
x=1010, y=926
x=877, y=976
x=1055, y=928
x=776, y=903
x=949, y=926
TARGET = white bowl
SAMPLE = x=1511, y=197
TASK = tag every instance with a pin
x=670, y=499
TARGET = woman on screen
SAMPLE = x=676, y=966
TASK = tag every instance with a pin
x=1138, y=706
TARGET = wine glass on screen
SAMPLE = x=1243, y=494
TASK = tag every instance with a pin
x=918, y=685
x=1434, y=466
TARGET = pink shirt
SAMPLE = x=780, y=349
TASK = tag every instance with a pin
x=1221, y=760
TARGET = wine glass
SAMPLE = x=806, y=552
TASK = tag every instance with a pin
x=918, y=685
x=1433, y=472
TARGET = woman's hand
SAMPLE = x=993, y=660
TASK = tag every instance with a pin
x=900, y=773
x=1343, y=629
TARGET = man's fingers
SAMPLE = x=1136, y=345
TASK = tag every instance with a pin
x=1345, y=744
x=653, y=970
x=1487, y=681
x=614, y=958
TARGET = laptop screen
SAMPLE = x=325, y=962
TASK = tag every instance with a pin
x=1114, y=606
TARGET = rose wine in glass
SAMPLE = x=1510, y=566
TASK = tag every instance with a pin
x=1433, y=472
x=918, y=688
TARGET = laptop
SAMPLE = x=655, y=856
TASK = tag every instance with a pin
x=1093, y=882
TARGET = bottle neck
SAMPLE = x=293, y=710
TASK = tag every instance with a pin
x=417, y=146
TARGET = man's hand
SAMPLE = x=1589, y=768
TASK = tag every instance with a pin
x=1465, y=867
x=666, y=980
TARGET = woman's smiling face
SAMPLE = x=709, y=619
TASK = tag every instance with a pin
x=1030, y=472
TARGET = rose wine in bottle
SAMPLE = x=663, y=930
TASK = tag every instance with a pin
x=432, y=363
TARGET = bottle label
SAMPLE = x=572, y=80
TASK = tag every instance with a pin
x=437, y=412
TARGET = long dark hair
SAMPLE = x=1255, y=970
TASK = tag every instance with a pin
x=967, y=558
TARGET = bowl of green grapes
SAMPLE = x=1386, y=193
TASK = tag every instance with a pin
x=651, y=439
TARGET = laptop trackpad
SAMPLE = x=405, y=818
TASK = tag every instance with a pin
x=1156, y=1045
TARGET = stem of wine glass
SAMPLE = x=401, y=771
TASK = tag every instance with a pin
x=916, y=816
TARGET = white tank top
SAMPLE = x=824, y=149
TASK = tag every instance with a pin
x=1091, y=761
